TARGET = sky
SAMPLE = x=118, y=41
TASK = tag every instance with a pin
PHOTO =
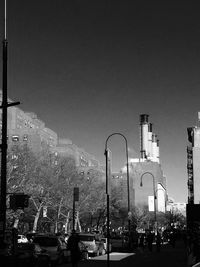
x=89, y=68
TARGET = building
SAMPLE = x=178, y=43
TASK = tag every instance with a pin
x=27, y=128
x=83, y=160
x=193, y=166
x=24, y=127
x=176, y=207
x=148, y=180
x=146, y=176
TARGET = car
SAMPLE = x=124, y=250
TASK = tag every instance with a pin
x=84, y=255
x=52, y=245
x=63, y=246
x=30, y=236
x=30, y=254
x=196, y=265
x=22, y=239
x=84, y=251
x=105, y=242
x=94, y=247
x=119, y=242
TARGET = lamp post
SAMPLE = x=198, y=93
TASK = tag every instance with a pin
x=108, y=187
x=4, y=106
x=154, y=193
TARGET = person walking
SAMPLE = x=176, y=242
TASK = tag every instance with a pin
x=172, y=238
x=158, y=242
x=73, y=245
x=141, y=242
x=150, y=237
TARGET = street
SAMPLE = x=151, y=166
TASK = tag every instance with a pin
x=167, y=257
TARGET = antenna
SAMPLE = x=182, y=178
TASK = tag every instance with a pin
x=5, y=20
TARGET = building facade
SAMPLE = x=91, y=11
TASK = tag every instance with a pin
x=148, y=182
x=193, y=166
x=146, y=178
x=27, y=128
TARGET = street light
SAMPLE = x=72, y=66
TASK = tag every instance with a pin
x=154, y=193
x=4, y=106
x=108, y=189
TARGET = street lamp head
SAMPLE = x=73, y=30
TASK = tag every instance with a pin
x=141, y=184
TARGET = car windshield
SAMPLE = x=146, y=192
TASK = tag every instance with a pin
x=46, y=241
x=86, y=237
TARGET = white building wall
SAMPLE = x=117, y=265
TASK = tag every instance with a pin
x=161, y=196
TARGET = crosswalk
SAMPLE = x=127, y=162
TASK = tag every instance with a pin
x=114, y=256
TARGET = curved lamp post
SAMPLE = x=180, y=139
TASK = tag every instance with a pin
x=108, y=188
x=154, y=193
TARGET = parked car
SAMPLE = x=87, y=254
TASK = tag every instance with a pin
x=94, y=247
x=119, y=242
x=196, y=265
x=30, y=236
x=84, y=251
x=84, y=255
x=51, y=245
x=22, y=239
x=30, y=254
x=63, y=244
x=105, y=242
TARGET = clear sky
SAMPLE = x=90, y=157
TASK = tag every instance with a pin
x=89, y=68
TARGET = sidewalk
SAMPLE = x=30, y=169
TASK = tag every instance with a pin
x=167, y=257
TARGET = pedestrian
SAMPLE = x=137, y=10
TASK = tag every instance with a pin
x=150, y=241
x=158, y=242
x=172, y=238
x=134, y=239
x=73, y=246
x=66, y=238
x=141, y=242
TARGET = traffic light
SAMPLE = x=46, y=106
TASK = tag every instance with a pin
x=19, y=201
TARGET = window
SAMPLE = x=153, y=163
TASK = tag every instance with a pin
x=15, y=138
x=46, y=241
x=14, y=156
x=25, y=137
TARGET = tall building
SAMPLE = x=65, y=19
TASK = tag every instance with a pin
x=193, y=166
x=27, y=128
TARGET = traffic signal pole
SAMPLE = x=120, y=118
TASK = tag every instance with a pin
x=4, y=145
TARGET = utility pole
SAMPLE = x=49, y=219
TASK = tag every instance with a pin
x=4, y=145
x=75, y=198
